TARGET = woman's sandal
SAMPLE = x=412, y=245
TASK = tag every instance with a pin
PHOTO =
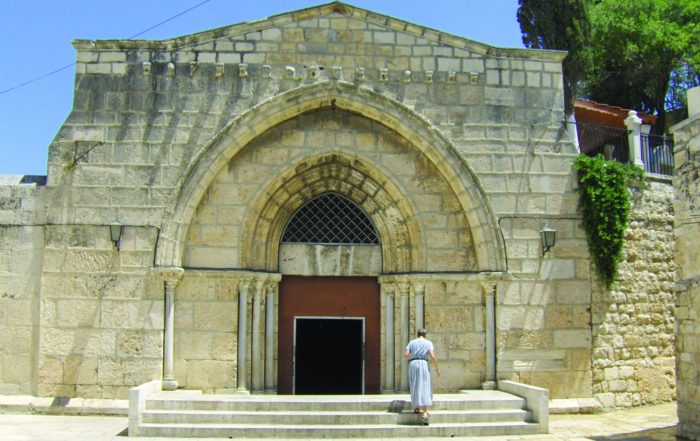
x=416, y=411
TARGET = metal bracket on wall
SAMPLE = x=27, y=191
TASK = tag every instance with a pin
x=77, y=157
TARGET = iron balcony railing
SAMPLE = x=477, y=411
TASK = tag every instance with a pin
x=614, y=144
x=610, y=142
x=657, y=154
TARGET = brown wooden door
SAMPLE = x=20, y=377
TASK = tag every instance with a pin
x=329, y=297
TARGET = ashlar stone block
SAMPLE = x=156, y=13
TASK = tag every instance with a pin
x=80, y=370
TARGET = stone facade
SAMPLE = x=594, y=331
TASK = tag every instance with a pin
x=204, y=146
x=687, y=228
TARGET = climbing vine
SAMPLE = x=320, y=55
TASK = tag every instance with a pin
x=604, y=200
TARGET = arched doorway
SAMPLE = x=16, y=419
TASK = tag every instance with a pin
x=329, y=317
x=234, y=222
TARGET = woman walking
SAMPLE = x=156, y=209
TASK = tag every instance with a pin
x=418, y=353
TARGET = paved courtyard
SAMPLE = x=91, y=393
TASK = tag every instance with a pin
x=650, y=423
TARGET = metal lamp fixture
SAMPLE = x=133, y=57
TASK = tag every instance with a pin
x=115, y=234
x=548, y=235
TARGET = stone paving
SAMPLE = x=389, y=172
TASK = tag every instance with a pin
x=650, y=423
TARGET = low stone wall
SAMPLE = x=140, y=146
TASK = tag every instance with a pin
x=633, y=325
x=21, y=242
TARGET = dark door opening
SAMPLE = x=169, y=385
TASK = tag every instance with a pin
x=329, y=356
x=338, y=298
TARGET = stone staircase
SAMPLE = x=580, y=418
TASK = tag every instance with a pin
x=183, y=414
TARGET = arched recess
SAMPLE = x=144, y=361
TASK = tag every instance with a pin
x=391, y=213
x=252, y=123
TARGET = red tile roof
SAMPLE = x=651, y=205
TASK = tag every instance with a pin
x=591, y=112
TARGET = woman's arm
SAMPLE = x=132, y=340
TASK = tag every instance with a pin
x=406, y=354
x=435, y=360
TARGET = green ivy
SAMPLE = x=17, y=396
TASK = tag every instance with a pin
x=604, y=200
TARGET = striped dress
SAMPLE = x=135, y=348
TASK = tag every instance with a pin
x=419, y=372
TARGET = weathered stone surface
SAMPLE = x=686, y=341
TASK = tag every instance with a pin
x=209, y=374
x=330, y=260
x=139, y=343
x=80, y=370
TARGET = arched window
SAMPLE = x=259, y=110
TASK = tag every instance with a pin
x=330, y=219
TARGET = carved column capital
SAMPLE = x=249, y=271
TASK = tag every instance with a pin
x=388, y=289
x=489, y=288
x=259, y=285
x=170, y=275
x=244, y=286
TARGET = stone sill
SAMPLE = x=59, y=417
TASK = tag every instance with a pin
x=574, y=406
x=62, y=405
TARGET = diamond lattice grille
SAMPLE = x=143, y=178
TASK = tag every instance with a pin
x=331, y=219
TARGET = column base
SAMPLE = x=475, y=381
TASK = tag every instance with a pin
x=169, y=384
x=242, y=391
x=489, y=385
x=388, y=391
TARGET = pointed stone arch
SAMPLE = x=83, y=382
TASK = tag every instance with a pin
x=351, y=97
x=392, y=214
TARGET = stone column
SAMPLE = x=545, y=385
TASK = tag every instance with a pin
x=256, y=362
x=270, y=383
x=403, y=293
x=634, y=138
x=419, y=291
x=490, y=301
x=389, y=345
x=171, y=277
x=243, y=288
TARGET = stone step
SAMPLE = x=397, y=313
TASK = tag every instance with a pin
x=478, y=400
x=330, y=417
x=284, y=431
x=192, y=414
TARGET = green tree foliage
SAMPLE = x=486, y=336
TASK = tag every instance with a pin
x=604, y=200
x=562, y=25
x=645, y=53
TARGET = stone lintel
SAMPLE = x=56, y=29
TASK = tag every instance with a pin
x=415, y=278
x=241, y=274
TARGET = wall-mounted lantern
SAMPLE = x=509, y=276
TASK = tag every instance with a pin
x=115, y=234
x=548, y=235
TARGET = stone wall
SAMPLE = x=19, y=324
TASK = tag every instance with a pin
x=687, y=228
x=21, y=242
x=101, y=313
x=633, y=325
x=206, y=316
